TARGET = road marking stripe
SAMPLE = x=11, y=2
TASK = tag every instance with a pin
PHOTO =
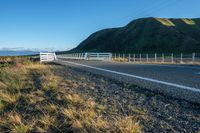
x=138, y=77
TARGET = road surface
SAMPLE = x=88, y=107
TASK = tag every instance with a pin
x=177, y=81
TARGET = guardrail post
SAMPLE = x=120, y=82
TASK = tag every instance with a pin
x=55, y=58
x=163, y=58
x=134, y=58
x=140, y=58
x=79, y=55
x=147, y=58
x=115, y=56
x=129, y=57
x=193, y=58
x=85, y=57
x=123, y=57
x=40, y=58
x=181, y=58
x=110, y=57
x=98, y=56
x=119, y=57
x=172, y=58
x=156, y=58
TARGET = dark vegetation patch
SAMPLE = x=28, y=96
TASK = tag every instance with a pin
x=146, y=35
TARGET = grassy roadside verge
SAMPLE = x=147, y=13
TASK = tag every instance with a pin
x=34, y=98
x=53, y=98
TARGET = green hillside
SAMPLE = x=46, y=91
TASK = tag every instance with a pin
x=147, y=35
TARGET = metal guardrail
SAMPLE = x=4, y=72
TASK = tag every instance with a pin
x=193, y=58
x=74, y=56
x=47, y=57
x=87, y=56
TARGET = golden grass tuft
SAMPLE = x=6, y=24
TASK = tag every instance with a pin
x=52, y=108
x=74, y=99
x=69, y=113
x=77, y=126
x=15, y=118
x=127, y=125
x=15, y=123
x=46, y=121
x=7, y=97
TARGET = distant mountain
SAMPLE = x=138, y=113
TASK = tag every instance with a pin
x=147, y=35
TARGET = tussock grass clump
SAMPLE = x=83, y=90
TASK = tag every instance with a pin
x=127, y=125
x=35, y=98
x=14, y=123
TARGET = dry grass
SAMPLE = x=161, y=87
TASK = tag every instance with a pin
x=165, y=21
x=188, y=21
x=120, y=59
x=127, y=125
x=34, y=98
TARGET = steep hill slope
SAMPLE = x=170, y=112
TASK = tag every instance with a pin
x=147, y=35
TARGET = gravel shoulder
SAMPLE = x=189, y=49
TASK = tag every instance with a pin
x=139, y=75
x=154, y=111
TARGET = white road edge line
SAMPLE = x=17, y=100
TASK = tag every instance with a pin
x=138, y=77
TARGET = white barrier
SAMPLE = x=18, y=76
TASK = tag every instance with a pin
x=47, y=57
x=99, y=56
x=74, y=56
x=87, y=56
x=168, y=58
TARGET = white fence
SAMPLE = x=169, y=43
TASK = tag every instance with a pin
x=47, y=57
x=87, y=56
x=99, y=56
x=193, y=58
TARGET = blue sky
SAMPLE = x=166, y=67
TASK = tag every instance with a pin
x=63, y=24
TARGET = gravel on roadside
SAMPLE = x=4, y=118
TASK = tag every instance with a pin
x=154, y=111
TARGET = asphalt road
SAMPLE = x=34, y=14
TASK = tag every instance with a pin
x=179, y=81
